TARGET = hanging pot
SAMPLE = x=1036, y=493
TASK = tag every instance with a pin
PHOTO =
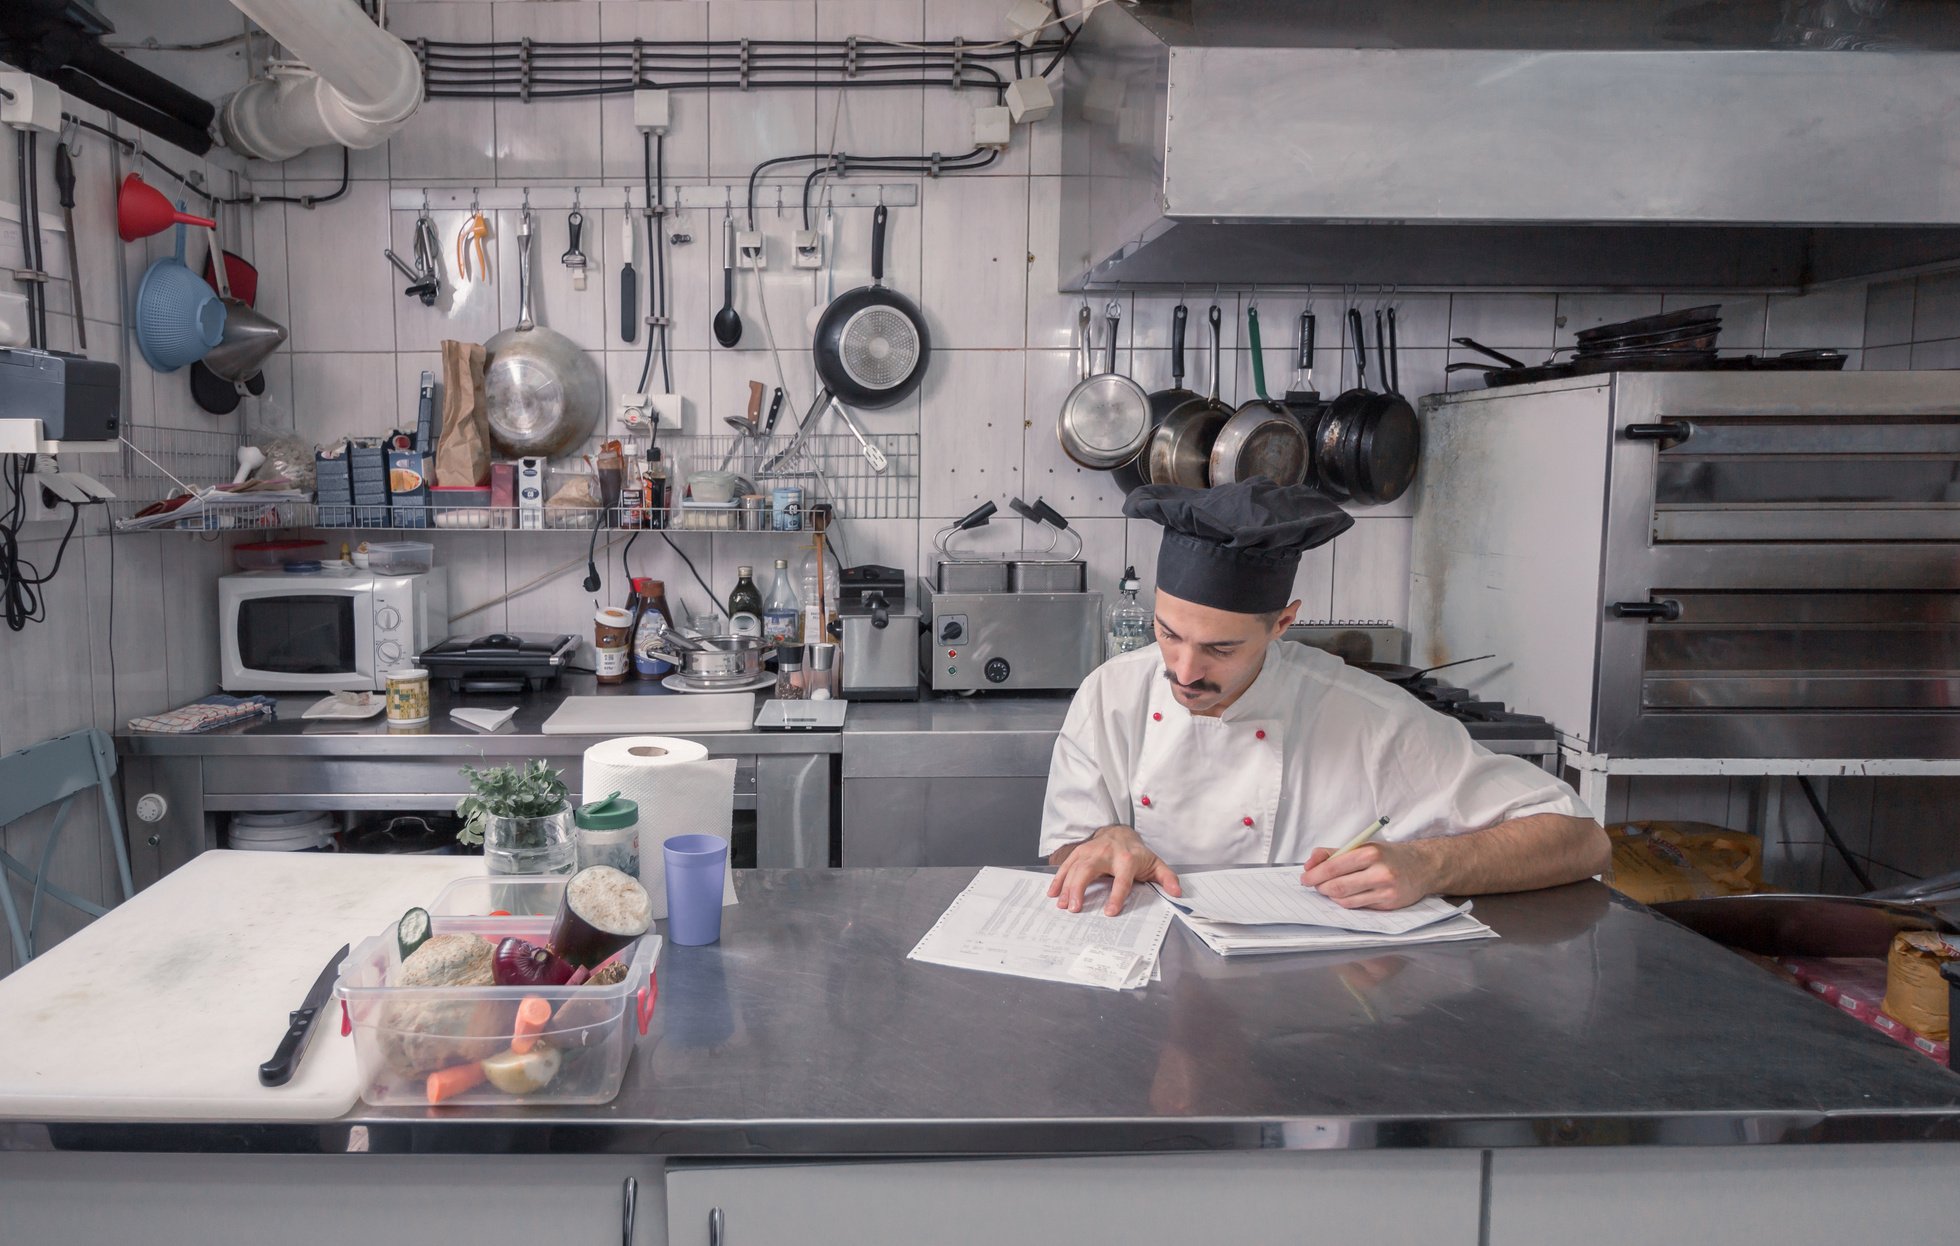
x=542, y=389
x=871, y=345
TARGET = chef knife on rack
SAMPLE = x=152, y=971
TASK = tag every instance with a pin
x=300, y=1024
x=64, y=181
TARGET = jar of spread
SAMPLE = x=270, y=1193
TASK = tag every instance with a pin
x=612, y=643
x=408, y=696
x=609, y=834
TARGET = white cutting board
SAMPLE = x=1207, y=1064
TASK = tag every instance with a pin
x=673, y=715
x=165, y=1008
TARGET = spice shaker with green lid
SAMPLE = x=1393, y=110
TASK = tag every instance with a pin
x=609, y=834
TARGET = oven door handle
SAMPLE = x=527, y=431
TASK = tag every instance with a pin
x=1666, y=610
x=1672, y=432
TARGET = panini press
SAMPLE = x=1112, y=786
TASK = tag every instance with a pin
x=503, y=662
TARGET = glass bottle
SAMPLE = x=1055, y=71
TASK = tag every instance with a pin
x=745, y=604
x=1129, y=622
x=782, y=614
x=655, y=619
x=655, y=499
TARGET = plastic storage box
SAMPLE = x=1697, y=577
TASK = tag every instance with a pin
x=401, y=557
x=402, y=1034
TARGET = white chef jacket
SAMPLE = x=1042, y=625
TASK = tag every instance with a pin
x=1307, y=757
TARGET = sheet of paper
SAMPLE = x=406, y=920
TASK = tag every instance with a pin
x=1005, y=922
x=1230, y=940
x=1273, y=896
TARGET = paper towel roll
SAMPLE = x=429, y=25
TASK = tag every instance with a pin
x=680, y=791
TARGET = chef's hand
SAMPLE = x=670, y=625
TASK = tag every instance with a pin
x=1373, y=876
x=1117, y=853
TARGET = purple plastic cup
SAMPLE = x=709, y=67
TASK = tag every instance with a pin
x=694, y=868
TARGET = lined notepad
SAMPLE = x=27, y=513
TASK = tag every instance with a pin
x=1265, y=909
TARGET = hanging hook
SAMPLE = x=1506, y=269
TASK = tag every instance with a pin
x=779, y=201
x=476, y=203
x=425, y=201
x=527, y=198
x=575, y=198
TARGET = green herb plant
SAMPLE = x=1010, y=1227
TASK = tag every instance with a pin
x=533, y=790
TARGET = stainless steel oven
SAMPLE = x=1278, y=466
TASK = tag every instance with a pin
x=1704, y=564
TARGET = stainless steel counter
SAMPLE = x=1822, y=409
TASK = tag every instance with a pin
x=784, y=779
x=1592, y=1022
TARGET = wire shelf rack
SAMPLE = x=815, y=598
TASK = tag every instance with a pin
x=829, y=467
x=194, y=456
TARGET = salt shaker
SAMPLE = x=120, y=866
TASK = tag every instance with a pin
x=789, y=672
x=822, y=677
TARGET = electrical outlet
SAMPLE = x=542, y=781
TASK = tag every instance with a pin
x=749, y=250
x=30, y=103
x=1025, y=20
x=1029, y=100
x=807, y=251
x=670, y=410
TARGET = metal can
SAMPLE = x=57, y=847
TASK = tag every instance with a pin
x=786, y=503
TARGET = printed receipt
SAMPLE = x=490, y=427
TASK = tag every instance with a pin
x=1005, y=922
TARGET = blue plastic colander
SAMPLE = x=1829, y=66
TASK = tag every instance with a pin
x=178, y=318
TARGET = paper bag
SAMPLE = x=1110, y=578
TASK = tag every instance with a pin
x=463, y=450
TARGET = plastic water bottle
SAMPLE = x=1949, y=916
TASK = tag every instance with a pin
x=1129, y=623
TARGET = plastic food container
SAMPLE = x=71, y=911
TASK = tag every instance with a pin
x=401, y=557
x=272, y=555
x=462, y=506
x=402, y=1033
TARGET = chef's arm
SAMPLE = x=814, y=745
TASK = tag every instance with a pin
x=1523, y=854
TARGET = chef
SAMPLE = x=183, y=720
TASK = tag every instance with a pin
x=1222, y=745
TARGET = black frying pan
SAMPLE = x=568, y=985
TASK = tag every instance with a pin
x=1162, y=402
x=1397, y=673
x=871, y=344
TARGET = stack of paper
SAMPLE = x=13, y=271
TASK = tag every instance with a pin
x=1005, y=922
x=1265, y=909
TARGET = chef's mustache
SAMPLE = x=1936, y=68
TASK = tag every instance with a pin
x=1203, y=685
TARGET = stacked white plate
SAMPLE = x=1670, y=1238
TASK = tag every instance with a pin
x=299, y=830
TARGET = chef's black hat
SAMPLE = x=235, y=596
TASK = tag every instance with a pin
x=1235, y=547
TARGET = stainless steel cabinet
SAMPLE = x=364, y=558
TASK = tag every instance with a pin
x=327, y=1200
x=1383, y=1198
x=1774, y=1195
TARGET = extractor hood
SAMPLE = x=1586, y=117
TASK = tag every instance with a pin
x=1511, y=144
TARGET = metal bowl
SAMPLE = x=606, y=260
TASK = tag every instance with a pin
x=720, y=661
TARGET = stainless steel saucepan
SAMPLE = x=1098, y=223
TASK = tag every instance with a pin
x=717, y=661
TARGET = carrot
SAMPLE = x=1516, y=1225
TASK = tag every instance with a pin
x=532, y=1016
x=454, y=1080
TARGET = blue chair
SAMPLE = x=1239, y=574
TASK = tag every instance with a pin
x=34, y=778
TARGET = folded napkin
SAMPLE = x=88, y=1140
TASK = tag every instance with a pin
x=483, y=720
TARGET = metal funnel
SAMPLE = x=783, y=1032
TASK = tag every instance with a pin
x=250, y=336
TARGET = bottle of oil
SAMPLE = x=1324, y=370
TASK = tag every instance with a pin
x=745, y=605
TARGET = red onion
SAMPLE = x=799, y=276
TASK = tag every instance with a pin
x=518, y=963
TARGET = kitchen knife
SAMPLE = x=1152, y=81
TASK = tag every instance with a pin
x=299, y=1031
x=629, y=282
x=775, y=409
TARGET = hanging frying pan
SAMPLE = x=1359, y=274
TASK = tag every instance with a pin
x=1262, y=438
x=1105, y=419
x=1162, y=402
x=871, y=344
x=1179, y=451
x=1387, y=440
x=1330, y=429
x=1398, y=673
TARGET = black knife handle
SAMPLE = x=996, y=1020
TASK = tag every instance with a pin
x=629, y=303
x=292, y=1046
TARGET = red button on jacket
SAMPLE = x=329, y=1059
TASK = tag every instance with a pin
x=1146, y=802
x=1157, y=717
x=1258, y=735
x=1248, y=821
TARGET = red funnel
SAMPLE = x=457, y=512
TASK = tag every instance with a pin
x=141, y=210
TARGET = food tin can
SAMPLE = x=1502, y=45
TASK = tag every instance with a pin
x=408, y=696
x=786, y=503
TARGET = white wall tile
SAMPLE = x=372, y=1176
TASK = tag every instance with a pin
x=345, y=395
x=1888, y=313
x=949, y=113
x=747, y=127
x=1501, y=320
x=341, y=292
x=446, y=138
x=1833, y=316
x=686, y=148
x=970, y=425
x=890, y=120
x=1887, y=358
x=1936, y=308
x=537, y=138
x=1943, y=354
x=1371, y=571
x=974, y=282
x=693, y=273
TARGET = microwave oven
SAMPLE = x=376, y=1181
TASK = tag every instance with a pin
x=280, y=632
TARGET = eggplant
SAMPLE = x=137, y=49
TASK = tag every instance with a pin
x=519, y=963
x=602, y=910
